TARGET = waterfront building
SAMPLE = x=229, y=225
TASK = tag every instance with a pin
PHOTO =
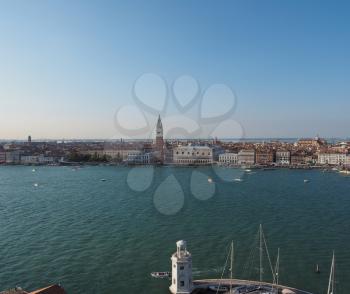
x=264, y=157
x=228, y=158
x=192, y=155
x=159, y=142
x=298, y=158
x=45, y=159
x=181, y=261
x=2, y=155
x=283, y=157
x=246, y=157
x=217, y=151
x=139, y=158
x=119, y=154
x=13, y=157
x=332, y=158
x=29, y=159
x=347, y=162
x=168, y=154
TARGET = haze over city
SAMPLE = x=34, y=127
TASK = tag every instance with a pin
x=67, y=67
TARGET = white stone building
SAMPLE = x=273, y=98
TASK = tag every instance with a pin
x=283, y=157
x=181, y=264
x=347, y=162
x=332, y=158
x=192, y=155
x=137, y=158
x=228, y=158
x=246, y=157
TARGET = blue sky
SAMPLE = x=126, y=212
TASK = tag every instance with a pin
x=67, y=66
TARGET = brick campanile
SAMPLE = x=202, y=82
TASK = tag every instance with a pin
x=159, y=141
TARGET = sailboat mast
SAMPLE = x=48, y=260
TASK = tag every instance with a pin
x=260, y=251
x=231, y=269
x=277, y=266
x=331, y=278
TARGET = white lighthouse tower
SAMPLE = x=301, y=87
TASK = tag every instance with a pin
x=181, y=278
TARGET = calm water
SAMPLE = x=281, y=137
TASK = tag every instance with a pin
x=103, y=237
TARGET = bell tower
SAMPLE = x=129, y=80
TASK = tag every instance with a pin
x=181, y=278
x=159, y=144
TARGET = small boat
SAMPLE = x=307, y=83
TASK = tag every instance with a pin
x=33, y=170
x=36, y=185
x=161, y=275
x=238, y=180
x=218, y=288
x=306, y=181
x=210, y=180
x=317, y=269
x=103, y=180
x=345, y=172
x=248, y=170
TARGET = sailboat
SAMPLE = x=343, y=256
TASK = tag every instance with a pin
x=262, y=247
x=277, y=268
x=231, y=268
x=331, y=277
x=224, y=289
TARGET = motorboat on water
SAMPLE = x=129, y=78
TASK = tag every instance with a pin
x=238, y=180
x=306, y=181
x=219, y=289
x=317, y=269
x=161, y=275
x=210, y=180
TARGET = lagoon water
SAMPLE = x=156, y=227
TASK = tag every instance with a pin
x=104, y=237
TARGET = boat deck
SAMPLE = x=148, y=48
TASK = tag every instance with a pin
x=202, y=286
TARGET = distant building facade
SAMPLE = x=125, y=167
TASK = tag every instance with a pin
x=13, y=157
x=139, y=158
x=347, y=162
x=192, y=155
x=283, y=157
x=246, y=157
x=228, y=158
x=332, y=158
x=2, y=156
x=297, y=158
x=121, y=154
x=37, y=159
x=264, y=157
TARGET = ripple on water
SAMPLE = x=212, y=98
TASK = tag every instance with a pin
x=95, y=237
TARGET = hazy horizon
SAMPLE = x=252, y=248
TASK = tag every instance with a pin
x=67, y=68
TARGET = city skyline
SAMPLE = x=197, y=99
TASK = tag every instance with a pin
x=68, y=67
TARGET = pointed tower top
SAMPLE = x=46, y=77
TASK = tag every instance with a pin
x=159, y=130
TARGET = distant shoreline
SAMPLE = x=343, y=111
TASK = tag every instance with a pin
x=244, y=167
